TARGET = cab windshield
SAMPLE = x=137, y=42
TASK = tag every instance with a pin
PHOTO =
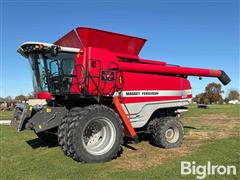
x=52, y=74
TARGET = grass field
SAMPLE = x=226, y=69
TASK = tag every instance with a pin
x=210, y=135
x=6, y=115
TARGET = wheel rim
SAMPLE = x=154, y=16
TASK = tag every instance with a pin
x=172, y=134
x=99, y=136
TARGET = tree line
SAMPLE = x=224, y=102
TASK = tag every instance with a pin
x=213, y=94
x=18, y=98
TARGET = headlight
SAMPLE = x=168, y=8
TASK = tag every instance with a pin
x=32, y=47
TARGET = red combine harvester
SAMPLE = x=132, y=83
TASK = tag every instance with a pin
x=99, y=91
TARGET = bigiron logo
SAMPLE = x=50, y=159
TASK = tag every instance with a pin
x=202, y=171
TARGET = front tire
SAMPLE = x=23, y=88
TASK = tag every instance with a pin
x=16, y=118
x=95, y=135
x=167, y=132
x=63, y=128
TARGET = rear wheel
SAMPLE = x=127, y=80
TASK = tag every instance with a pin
x=95, y=134
x=167, y=132
x=99, y=136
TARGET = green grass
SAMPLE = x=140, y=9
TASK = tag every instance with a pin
x=212, y=119
x=24, y=156
x=217, y=153
x=21, y=161
x=228, y=109
x=6, y=115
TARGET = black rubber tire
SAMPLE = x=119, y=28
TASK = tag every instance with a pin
x=159, y=128
x=62, y=129
x=76, y=129
x=16, y=118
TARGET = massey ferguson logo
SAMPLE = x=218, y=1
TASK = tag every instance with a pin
x=149, y=93
x=143, y=93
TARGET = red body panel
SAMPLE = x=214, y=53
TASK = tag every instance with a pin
x=114, y=42
x=94, y=61
x=153, y=83
x=43, y=95
x=109, y=64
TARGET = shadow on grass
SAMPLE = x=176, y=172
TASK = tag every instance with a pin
x=189, y=127
x=129, y=147
x=147, y=136
x=141, y=137
x=37, y=143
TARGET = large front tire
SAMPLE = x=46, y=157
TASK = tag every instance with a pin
x=63, y=129
x=95, y=135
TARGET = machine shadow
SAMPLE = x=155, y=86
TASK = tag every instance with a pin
x=147, y=136
x=189, y=127
x=37, y=143
x=141, y=137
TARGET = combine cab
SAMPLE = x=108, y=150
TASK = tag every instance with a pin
x=98, y=90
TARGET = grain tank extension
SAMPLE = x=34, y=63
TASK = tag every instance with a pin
x=99, y=91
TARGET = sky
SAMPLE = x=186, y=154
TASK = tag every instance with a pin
x=202, y=34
